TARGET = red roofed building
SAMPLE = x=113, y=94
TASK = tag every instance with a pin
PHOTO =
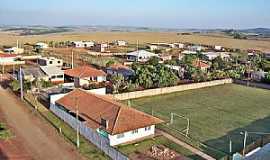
x=117, y=122
x=9, y=59
x=85, y=75
x=200, y=65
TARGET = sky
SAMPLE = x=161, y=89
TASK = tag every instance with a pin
x=203, y=14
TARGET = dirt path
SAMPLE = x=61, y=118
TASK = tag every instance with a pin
x=38, y=137
x=185, y=145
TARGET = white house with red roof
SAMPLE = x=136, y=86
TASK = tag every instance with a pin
x=116, y=122
x=10, y=59
x=84, y=75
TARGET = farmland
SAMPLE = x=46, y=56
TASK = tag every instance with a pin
x=7, y=38
x=216, y=114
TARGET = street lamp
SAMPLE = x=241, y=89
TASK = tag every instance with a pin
x=245, y=138
x=245, y=141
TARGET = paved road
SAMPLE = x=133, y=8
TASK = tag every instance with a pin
x=38, y=137
x=185, y=145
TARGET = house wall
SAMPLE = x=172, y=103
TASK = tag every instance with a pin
x=56, y=78
x=166, y=90
x=129, y=136
x=54, y=98
x=7, y=59
x=90, y=134
x=101, y=79
x=99, y=91
x=50, y=62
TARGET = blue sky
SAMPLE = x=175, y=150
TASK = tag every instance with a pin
x=149, y=13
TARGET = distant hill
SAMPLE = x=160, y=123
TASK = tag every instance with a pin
x=260, y=31
x=41, y=29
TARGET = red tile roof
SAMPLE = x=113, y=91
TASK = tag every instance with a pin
x=200, y=64
x=93, y=107
x=84, y=71
x=7, y=55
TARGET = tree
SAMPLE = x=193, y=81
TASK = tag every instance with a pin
x=188, y=59
x=15, y=84
x=218, y=64
x=118, y=81
x=110, y=63
x=151, y=76
x=153, y=61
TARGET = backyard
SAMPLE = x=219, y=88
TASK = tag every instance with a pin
x=217, y=114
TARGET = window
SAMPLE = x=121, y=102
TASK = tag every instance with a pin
x=58, y=62
x=60, y=76
x=53, y=77
x=135, y=131
x=147, y=128
x=50, y=62
x=120, y=136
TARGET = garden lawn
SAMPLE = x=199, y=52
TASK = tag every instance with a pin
x=217, y=114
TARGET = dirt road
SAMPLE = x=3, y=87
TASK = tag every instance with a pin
x=38, y=137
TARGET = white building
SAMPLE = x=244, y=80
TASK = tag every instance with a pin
x=180, y=45
x=41, y=45
x=14, y=50
x=121, y=43
x=102, y=47
x=114, y=121
x=196, y=48
x=188, y=52
x=10, y=59
x=55, y=74
x=140, y=56
x=153, y=47
x=213, y=55
x=218, y=48
x=85, y=75
x=83, y=44
x=50, y=61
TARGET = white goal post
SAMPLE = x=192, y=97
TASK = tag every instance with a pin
x=183, y=117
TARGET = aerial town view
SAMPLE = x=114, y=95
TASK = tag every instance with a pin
x=135, y=80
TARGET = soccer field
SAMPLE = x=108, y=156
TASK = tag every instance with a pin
x=217, y=114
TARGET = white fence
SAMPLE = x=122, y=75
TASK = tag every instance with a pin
x=98, y=140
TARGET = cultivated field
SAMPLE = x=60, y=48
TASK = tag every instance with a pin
x=142, y=37
x=217, y=114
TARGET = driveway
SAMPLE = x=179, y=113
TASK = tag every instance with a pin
x=39, y=138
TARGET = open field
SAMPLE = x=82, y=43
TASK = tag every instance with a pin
x=217, y=114
x=143, y=37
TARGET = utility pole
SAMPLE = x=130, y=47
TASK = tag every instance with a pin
x=72, y=59
x=137, y=45
x=78, y=123
x=21, y=82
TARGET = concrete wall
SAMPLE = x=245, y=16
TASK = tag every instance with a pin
x=129, y=136
x=99, y=91
x=159, y=91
